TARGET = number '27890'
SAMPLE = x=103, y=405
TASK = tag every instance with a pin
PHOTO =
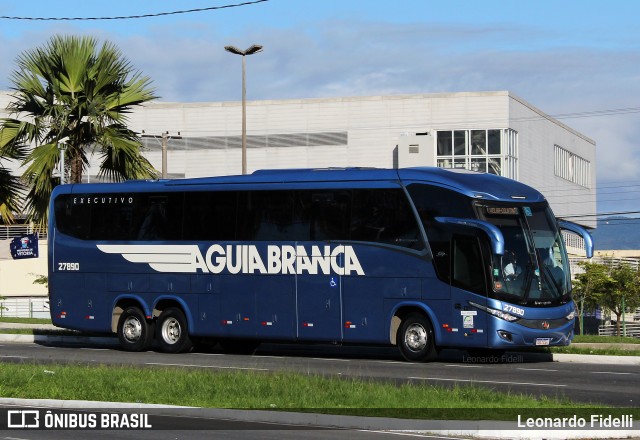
x=68, y=266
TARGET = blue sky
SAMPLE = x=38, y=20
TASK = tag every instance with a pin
x=562, y=56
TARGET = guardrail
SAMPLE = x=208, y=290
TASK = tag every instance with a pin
x=632, y=330
x=24, y=308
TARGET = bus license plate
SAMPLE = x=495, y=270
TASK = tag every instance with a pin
x=543, y=341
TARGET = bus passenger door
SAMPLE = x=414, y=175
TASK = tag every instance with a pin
x=468, y=284
x=318, y=298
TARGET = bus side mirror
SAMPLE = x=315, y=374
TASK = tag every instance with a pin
x=492, y=231
x=579, y=230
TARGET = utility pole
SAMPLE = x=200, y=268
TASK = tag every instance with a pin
x=164, y=142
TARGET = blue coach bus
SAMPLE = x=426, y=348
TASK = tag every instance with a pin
x=419, y=258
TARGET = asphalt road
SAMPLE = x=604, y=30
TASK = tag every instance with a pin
x=615, y=385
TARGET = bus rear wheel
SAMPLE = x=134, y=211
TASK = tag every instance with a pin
x=171, y=331
x=415, y=339
x=135, y=333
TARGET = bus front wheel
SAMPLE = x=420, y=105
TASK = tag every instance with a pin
x=135, y=333
x=171, y=331
x=415, y=339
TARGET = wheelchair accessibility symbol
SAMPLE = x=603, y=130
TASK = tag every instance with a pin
x=333, y=283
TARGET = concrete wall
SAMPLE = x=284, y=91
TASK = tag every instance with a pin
x=17, y=276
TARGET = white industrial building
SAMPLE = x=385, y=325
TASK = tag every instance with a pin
x=495, y=132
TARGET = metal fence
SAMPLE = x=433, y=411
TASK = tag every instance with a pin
x=632, y=330
x=24, y=308
x=634, y=263
x=7, y=232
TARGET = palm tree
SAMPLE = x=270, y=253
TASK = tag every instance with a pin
x=10, y=187
x=73, y=92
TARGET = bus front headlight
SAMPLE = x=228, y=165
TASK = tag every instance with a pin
x=495, y=312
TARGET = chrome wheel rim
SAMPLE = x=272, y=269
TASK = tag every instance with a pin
x=132, y=329
x=415, y=337
x=171, y=331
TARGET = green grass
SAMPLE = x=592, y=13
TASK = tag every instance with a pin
x=26, y=320
x=271, y=391
x=606, y=339
x=598, y=351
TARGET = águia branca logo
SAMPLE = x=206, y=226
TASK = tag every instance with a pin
x=245, y=259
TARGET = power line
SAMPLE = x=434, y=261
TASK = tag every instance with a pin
x=601, y=214
x=127, y=17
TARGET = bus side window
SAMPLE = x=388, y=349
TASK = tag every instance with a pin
x=467, y=259
x=329, y=218
x=154, y=224
x=274, y=221
x=384, y=216
x=210, y=215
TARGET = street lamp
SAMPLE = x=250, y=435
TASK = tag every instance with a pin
x=250, y=51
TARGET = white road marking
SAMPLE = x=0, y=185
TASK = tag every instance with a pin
x=205, y=366
x=536, y=369
x=464, y=366
x=608, y=372
x=205, y=354
x=490, y=381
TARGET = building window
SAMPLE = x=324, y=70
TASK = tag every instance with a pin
x=572, y=167
x=487, y=151
x=510, y=153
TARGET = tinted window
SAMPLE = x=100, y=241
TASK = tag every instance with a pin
x=467, y=264
x=369, y=215
x=265, y=215
x=210, y=215
x=328, y=213
x=431, y=202
x=155, y=218
x=384, y=216
x=143, y=216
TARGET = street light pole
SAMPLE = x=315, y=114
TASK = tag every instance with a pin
x=250, y=51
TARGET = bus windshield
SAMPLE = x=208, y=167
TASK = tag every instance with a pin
x=534, y=269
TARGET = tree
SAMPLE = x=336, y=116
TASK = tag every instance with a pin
x=10, y=188
x=624, y=292
x=589, y=286
x=73, y=92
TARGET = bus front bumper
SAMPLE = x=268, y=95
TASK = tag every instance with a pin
x=508, y=335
